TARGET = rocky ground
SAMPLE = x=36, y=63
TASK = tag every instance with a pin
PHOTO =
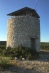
x=40, y=65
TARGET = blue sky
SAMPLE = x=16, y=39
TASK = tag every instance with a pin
x=42, y=7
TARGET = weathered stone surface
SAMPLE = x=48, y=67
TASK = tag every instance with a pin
x=21, y=29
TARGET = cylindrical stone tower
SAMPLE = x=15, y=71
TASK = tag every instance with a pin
x=24, y=29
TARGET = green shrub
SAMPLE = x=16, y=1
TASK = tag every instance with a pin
x=2, y=51
x=20, y=57
x=29, y=57
x=21, y=52
x=4, y=63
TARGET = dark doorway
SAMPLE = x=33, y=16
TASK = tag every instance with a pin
x=33, y=44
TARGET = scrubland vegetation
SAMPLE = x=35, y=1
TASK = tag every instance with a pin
x=7, y=58
x=44, y=45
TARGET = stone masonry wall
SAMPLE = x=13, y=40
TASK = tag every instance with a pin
x=21, y=29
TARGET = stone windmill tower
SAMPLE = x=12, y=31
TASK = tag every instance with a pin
x=24, y=29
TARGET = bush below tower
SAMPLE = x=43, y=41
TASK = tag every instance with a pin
x=21, y=52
